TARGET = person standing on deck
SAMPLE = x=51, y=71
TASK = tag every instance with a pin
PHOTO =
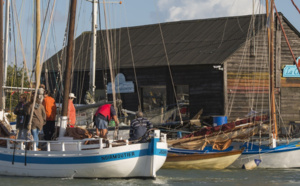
x=71, y=111
x=50, y=108
x=21, y=117
x=102, y=116
x=139, y=127
x=38, y=118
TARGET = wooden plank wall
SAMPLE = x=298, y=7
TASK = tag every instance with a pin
x=205, y=86
x=247, y=79
x=290, y=87
x=247, y=82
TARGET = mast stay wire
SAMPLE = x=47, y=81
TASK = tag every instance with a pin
x=132, y=59
x=20, y=40
x=41, y=65
x=169, y=67
x=110, y=59
x=104, y=56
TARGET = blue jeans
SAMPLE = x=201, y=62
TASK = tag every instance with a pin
x=101, y=123
x=35, y=134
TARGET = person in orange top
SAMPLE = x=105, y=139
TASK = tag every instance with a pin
x=71, y=111
x=50, y=107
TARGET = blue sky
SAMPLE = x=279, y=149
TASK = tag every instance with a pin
x=133, y=13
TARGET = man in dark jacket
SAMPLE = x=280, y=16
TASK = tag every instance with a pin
x=139, y=127
x=21, y=116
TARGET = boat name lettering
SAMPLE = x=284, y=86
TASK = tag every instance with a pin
x=164, y=152
x=118, y=156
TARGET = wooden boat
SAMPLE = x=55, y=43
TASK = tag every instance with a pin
x=215, y=160
x=67, y=157
x=80, y=159
x=285, y=155
x=274, y=154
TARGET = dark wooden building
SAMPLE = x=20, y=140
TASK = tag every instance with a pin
x=220, y=65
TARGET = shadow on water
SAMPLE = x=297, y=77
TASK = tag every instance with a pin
x=230, y=177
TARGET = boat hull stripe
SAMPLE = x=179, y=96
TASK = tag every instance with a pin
x=82, y=159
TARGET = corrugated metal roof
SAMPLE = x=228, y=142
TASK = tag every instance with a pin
x=194, y=42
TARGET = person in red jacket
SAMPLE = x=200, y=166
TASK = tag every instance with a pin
x=71, y=111
x=102, y=116
x=50, y=108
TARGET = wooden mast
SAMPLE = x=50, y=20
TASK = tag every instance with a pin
x=272, y=74
x=1, y=59
x=67, y=74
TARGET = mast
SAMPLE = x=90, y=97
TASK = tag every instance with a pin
x=6, y=47
x=1, y=62
x=38, y=44
x=272, y=76
x=67, y=74
x=92, y=86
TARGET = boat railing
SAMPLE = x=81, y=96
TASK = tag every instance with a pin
x=70, y=144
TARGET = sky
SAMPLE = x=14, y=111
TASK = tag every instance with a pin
x=127, y=14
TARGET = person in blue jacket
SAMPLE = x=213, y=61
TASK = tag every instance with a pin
x=139, y=127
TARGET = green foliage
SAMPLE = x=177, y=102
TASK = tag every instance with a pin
x=14, y=79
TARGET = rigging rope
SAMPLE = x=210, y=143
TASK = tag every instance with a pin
x=110, y=60
x=295, y=6
x=133, y=63
x=41, y=66
x=104, y=73
x=169, y=67
x=20, y=40
x=286, y=39
x=170, y=72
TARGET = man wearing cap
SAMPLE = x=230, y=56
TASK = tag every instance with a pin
x=139, y=127
x=71, y=111
x=102, y=116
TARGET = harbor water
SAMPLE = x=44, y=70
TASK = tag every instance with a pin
x=230, y=177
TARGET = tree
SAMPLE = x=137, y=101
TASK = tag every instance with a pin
x=14, y=79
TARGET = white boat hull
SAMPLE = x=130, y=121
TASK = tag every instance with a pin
x=135, y=160
x=280, y=157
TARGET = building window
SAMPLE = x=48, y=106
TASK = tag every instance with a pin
x=154, y=97
x=182, y=92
